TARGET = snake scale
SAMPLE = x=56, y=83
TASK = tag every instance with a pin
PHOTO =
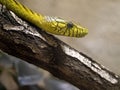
x=52, y=25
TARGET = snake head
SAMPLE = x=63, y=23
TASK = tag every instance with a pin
x=59, y=26
x=76, y=30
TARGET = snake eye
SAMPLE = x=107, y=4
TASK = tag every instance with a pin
x=70, y=25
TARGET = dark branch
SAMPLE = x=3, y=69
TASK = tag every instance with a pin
x=35, y=46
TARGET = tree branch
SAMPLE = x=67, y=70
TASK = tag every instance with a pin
x=25, y=41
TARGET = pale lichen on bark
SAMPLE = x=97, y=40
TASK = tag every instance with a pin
x=93, y=66
x=19, y=39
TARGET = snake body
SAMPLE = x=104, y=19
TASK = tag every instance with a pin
x=52, y=25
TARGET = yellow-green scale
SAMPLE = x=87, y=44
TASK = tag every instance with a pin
x=52, y=25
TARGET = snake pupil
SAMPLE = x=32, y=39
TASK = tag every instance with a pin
x=70, y=24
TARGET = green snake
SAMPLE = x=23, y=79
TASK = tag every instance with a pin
x=52, y=25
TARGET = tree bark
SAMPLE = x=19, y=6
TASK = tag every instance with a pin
x=23, y=40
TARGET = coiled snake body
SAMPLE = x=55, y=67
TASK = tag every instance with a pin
x=52, y=25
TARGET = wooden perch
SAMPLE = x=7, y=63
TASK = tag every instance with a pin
x=25, y=41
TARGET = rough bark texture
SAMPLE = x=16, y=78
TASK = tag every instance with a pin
x=35, y=46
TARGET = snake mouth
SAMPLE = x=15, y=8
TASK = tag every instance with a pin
x=83, y=33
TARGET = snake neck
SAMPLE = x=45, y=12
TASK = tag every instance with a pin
x=23, y=12
x=53, y=25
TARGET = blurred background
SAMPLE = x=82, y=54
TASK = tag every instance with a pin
x=101, y=17
x=102, y=43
